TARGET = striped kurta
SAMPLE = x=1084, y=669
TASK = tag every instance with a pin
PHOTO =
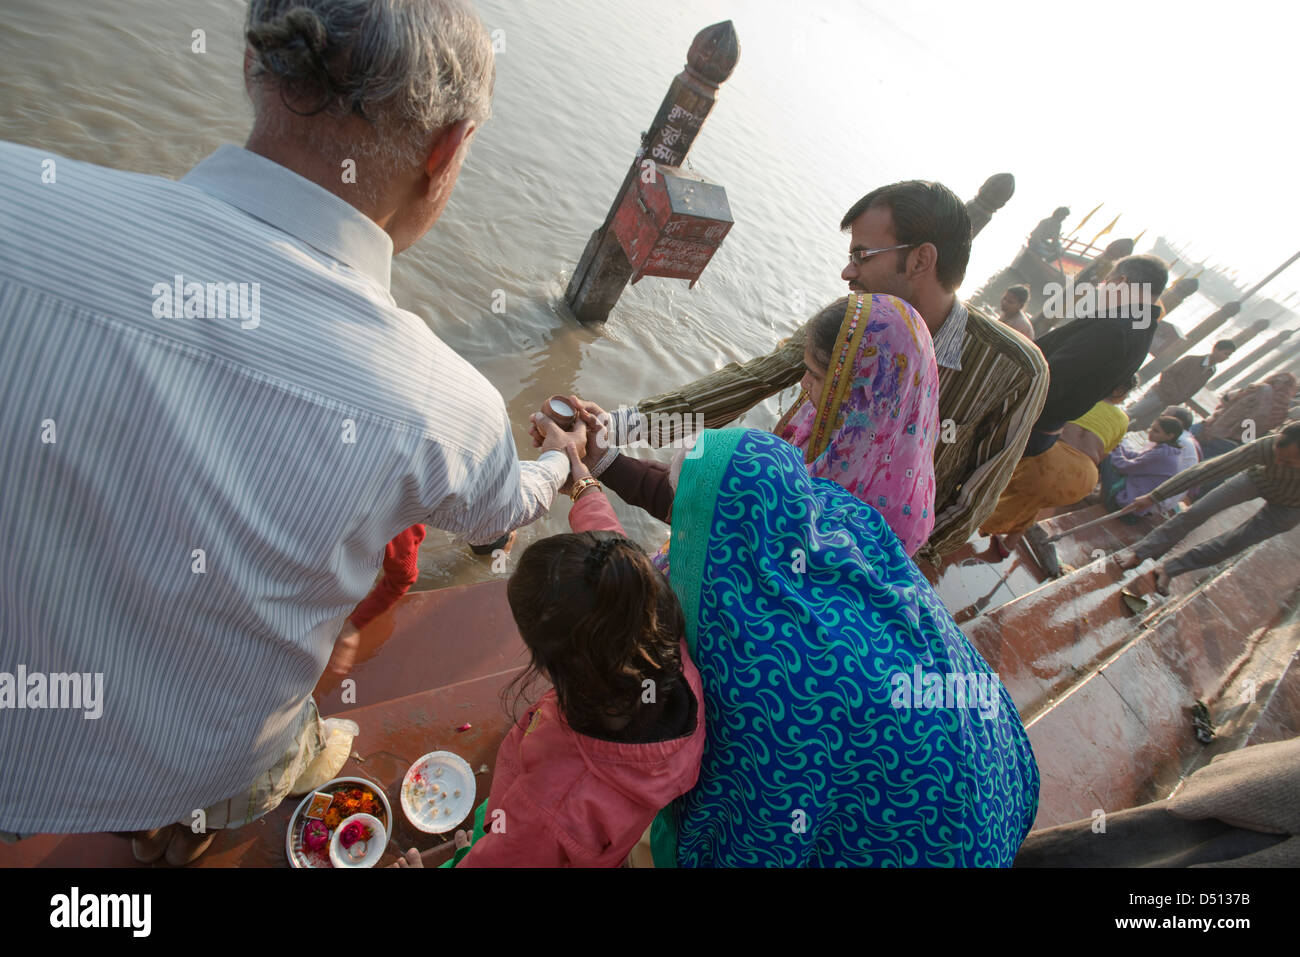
x=1278, y=484
x=992, y=385
x=198, y=489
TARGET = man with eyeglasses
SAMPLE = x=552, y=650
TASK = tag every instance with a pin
x=913, y=240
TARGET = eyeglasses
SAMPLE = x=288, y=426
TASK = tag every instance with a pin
x=860, y=256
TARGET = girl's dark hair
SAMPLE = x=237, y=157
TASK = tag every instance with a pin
x=599, y=619
x=1171, y=426
x=825, y=329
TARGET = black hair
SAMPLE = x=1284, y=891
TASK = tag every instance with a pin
x=598, y=620
x=1144, y=269
x=924, y=212
x=1227, y=344
x=1290, y=434
x=1019, y=292
x=825, y=329
x=1171, y=426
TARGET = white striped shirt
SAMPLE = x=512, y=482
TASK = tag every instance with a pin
x=191, y=505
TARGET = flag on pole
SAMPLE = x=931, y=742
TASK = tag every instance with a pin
x=1106, y=230
x=1085, y=219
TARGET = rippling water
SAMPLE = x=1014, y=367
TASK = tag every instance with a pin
x=799, y=132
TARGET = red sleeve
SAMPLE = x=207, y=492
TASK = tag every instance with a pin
x=401, y=569
x=593, y=513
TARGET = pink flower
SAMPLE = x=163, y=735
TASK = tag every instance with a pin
x=356, y=831
x=315, y=835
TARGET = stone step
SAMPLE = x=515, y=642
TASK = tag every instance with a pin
x=430, y=639
x=1121, y=734
x=1054, y=634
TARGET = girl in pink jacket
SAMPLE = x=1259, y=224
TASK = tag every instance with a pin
x=620, y=734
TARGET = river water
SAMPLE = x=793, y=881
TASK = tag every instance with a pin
x=802, y=129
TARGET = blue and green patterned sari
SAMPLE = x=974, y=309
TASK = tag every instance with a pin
x=819, y=640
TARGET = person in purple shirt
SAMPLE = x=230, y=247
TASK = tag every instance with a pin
x=1127, y=475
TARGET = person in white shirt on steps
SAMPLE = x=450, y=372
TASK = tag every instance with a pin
x=215, y=416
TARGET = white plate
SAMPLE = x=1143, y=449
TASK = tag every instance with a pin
x=438, y=792
x=374, y=847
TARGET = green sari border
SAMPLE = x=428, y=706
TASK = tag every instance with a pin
x=693, y=504
x=692, y=518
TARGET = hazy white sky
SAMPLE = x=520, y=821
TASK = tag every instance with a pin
x=1182, y=118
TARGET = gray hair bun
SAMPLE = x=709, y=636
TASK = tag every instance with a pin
x=293, y=47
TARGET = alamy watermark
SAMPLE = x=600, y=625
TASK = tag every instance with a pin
x=650, y=430
x=212, y=300
x=76, y=909
x=1126, y=300
x=36, y=690
x=981, y=691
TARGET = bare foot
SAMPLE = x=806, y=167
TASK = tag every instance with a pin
x=1162, y=580
x=410, y=859
x=999, y=549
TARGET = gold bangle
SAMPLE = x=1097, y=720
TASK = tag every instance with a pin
x=581, y=486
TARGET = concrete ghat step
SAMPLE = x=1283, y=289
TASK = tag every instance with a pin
x=430, y=639
x=1079, y=549
x=1261, y=701
x=1122, y=734
x=973, y=581
x=1054, y=634
x=1279, y=720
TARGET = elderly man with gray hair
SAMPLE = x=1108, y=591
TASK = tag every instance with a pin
x=208, y=388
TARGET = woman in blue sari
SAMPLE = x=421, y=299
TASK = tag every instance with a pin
x=836, y=733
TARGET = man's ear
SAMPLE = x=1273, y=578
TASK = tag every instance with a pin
x=445, y=146
x=925, y=259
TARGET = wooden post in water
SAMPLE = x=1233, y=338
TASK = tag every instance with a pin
x=993, y=195
x=1279, y=362
x=1176, y=294
x=1211, y=322
x=603, y=270
x=1166, y=336
x=1252, y=368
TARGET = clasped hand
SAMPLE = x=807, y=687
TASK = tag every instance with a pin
x=590, y=435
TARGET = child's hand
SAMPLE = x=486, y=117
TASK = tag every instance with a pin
x=597, y=421
x=577, y=470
